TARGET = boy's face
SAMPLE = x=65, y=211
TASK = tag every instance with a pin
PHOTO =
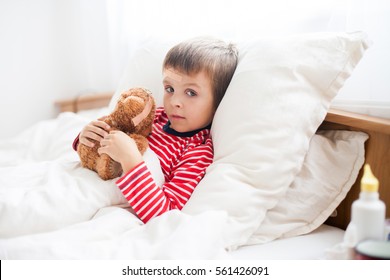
x=188, y=100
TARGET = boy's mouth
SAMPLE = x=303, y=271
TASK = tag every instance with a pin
x=177, y=117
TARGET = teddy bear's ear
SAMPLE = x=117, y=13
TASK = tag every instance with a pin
x=125, y=94
x=147, y=91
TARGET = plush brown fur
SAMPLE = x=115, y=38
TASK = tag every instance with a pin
x=130, y=104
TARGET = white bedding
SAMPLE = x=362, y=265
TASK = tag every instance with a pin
x=52, y=208
x=312, y=246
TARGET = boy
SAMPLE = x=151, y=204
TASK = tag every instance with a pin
x=196, y=74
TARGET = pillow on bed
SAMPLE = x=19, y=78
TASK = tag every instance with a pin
x=330, y=168
x=279, y=95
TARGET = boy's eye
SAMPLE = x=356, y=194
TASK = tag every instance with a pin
x=169, y=89
x=191, y=93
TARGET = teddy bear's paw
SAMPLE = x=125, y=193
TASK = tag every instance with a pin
x=115, y=169
x=109, y=170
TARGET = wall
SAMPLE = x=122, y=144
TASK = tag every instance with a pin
x=45, y=55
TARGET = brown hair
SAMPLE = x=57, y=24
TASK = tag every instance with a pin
x=216, y=57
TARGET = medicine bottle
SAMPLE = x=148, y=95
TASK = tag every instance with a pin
x=368, y=212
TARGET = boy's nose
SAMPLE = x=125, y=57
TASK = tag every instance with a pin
x=176, y=102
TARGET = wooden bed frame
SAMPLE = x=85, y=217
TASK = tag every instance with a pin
x=377, y=154
x=377, y=147
x=84, y=102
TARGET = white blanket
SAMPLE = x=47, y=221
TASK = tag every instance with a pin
x=52, y=208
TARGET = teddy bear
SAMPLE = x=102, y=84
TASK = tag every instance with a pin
x=134, y=115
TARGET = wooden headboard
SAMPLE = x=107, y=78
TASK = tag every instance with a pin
x=377, y=154
x=84, y=102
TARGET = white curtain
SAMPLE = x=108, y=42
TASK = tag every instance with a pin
x=131, y=22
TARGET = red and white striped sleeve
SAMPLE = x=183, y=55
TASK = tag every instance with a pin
x=149, y=200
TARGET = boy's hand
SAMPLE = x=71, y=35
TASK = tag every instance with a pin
x=95, y=130
x=121, y=148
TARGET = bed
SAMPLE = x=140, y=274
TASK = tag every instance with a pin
x=329, y=234
x=282, y=181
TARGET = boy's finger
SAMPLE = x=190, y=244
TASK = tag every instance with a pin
x=87, y=142
x=101, y=124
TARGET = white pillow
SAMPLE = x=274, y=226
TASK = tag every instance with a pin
x=330, y=168
x=279, y=95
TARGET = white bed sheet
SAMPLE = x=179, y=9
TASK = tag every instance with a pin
x=304, y=247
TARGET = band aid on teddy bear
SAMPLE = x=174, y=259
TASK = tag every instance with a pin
x=145, y=112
